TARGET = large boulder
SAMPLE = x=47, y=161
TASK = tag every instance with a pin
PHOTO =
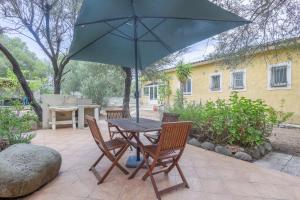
x=24, y=168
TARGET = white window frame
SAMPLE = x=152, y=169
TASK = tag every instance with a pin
x=288, y=73
x=189, y=93
x=221, y=81
x=244, y=80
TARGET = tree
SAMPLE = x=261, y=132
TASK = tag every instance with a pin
x=183, y=71
x=17, y=71
x=95, y=81
x=272, y=21
x=49, y=23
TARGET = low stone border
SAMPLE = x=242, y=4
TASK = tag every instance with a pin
x=246, y=154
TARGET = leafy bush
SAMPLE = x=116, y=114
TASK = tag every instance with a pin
x=239, y=120
x=13, y=126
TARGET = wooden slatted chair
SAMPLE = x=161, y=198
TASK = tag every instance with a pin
x=167, y=117
x=166, y=153
x=105, y=148
x=115, y=114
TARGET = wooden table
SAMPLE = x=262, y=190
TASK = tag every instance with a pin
x=130, y=125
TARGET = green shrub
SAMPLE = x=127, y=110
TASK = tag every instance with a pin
x=239, y=120
x=13, y=126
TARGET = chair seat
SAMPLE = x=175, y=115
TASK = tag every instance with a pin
x=115, y=143
x=151, y=150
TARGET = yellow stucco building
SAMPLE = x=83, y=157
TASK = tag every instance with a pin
x=272, y=75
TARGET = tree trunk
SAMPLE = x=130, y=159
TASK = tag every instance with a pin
x=57, y=83
x=181, y=94
x=127, y=88
x=18, y=73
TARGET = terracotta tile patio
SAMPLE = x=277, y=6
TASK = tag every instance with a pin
x=211, y=176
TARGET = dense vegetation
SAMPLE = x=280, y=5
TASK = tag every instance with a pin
x=95, y=81
x=239, y=120
x=15, y=124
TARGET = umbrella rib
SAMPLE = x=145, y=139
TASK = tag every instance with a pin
x=154, y=27
x=196, y=19
x=121, y=32
x=102, y=20
x=158, y=39
x=121, y=36
x=103, y=35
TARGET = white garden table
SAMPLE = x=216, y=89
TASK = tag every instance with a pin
x=55, y=109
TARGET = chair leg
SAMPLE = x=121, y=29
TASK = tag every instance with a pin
x=96, y=163
x=149, y=173
x=182, y=175
x=119, y=155
x=151, y=169
x=115, y=163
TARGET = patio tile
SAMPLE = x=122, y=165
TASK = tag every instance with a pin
x=211, y=176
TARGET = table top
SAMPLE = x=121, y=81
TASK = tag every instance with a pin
x=130, y=124
x=63, y=108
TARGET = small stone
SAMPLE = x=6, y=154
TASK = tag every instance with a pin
x=268, y=146
x=243, y=156
x=194, y=142
x=222, y=150
x=254, y=152
x=262, y=149
x=3, y=144
x=208, y=146
x=234, y=148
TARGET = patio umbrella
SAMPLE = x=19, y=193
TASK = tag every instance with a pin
x=136, y=33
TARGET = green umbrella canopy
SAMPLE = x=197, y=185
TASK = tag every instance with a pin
x=137, y=33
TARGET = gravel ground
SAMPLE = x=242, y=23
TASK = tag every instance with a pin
x=286, y=140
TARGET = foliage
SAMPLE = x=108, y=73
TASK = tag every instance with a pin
x=183, y=71
x=164, y=89
x=13, y=125
x=95, y=81
x=282, y=116
x=48, y=23
x=34, y=70
x=271, y=22
x=239, y=120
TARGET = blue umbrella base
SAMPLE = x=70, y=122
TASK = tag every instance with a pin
x=132, y=162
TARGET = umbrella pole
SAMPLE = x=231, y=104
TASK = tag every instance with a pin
x=137, y=96
x=134, y=161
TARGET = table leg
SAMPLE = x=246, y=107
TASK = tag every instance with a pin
x=81, y=117
x=53, y=115
x=73, y=119
x=96, y=114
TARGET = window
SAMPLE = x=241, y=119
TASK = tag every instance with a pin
x=215, y=82
x=238, y=80
x=279, y=76
x=187, y=87
x=146, y=91
x=153, y=92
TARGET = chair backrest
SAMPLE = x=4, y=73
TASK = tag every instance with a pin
x=92, y=123
x=116, y=114
x=174, y=135
x=170, y=117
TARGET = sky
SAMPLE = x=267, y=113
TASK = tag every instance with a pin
x=194, y=53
